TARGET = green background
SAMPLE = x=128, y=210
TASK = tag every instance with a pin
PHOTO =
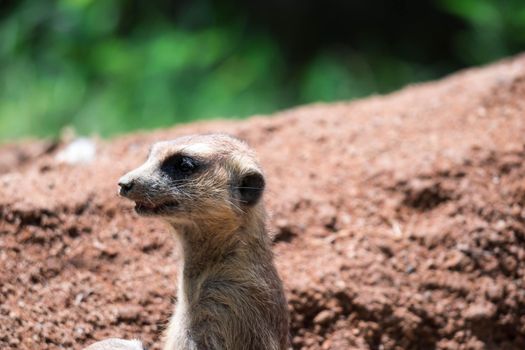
x=111, y=66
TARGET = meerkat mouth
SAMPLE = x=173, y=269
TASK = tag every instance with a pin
x=147, y=208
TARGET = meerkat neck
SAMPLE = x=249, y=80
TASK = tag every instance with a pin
x=204, y=247
x=227, y=280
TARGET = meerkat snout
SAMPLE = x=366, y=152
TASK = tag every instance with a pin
x=125, y=186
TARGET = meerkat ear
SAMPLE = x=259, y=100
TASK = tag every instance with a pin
x=251, y=187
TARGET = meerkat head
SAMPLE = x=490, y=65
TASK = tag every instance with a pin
x=196, y=178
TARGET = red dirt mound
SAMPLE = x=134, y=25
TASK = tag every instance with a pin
x=399, y=223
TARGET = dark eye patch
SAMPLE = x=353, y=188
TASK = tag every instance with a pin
x=179, y=166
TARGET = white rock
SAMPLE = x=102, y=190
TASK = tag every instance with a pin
x=116, y=344
x=81, y=150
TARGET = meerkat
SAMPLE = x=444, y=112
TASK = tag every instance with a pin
x=209, y=189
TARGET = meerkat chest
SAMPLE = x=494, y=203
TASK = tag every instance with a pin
x=178, y=332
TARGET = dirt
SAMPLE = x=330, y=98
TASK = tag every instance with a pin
x=398, y=222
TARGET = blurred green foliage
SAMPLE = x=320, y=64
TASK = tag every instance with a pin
x=111, y=66
x=495, y=28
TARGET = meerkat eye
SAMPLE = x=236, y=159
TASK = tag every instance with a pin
x=179, y=166
x=187, y=164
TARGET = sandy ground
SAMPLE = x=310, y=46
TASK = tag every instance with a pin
x=399, y=223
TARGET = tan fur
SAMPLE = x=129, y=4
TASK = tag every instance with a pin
x=229, y=293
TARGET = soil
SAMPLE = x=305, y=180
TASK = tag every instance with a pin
x=398, y=222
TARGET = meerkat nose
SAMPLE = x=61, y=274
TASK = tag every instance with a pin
x=125, y=186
